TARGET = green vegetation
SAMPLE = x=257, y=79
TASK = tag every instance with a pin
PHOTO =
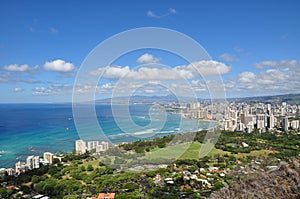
x=82, y=176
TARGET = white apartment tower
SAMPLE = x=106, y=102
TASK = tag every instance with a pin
x=33, y=162
x=270, y=121
x=21, y=167
x=92, y=145
x=285, y=123
x=48, y=157
x=80, y=147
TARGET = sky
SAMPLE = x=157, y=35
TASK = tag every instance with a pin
x=254, y=48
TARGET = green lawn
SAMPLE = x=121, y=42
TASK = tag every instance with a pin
x=185, y=151
x=192, y=151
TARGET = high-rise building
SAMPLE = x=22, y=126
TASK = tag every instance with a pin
x=99, y=148
x=33, y=162
x=240, y=127
x=80, y=147
x=295, y=124
x=243, y=119
x=21, y=167
x=92, y=145
x=270, y=121
x=105, y=145
x=48, y=157
x=285, y=123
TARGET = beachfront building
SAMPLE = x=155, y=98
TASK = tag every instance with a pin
x=33, y=162
x=105, y=145
x=10, y=171
x=80, y=147
x=21, y=167
x=92, y=145
x=48, y=157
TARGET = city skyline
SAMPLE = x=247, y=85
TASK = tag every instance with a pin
x=253, y=45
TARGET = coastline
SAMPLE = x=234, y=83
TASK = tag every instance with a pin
x=48, y=123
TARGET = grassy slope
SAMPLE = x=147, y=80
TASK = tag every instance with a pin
x=191, y=151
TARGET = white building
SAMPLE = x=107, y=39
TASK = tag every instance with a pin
x=21, y=167
x=105, y=145
x=10, y=171
x=80, y=147
x=33, y=162
x=102, y=147
x=295, y=124
x=92, y=145
x=270, y=121
x=48, y=157
x=285, y=123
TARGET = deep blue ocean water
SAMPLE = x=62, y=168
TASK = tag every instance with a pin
x=31, y=129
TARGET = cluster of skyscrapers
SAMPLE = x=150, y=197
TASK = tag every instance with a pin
x=246, y=117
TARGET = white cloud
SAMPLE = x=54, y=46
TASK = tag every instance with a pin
x=282, y=78
x=107, y=86
x=42, y=91
x=147, y=59
x=276, y=64
x=111, y=72
x=228, y=57
x=54, y=89
x=149, y=91
x=246, y=77
x=59, y=65
x=18, y=90
x=53, y=30
x=171, y=11
x=191, y=71
x=151, y=14
x=203, y=68
x=17, y=68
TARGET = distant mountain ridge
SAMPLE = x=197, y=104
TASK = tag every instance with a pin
x=289, y=98
x=140, y=99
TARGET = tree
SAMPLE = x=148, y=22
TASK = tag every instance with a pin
x=90, y=168
x=218, y=185
x=3, y=193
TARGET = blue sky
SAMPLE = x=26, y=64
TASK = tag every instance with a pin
x=255, y=44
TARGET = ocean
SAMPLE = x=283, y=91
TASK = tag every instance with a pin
x=32, y=129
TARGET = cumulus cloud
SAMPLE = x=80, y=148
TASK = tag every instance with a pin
x=190, y=71
x=246, y=77
x=59, y=66
x=276, y=64
x=17, y=90
x=17, y=68
x=203, y=68
x=228, y=57
x=43, y=91
x=53, y=89
x=283, y=77
x=111, y=72
x=171, y=11
x=147, y=59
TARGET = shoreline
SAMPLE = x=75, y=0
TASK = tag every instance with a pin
x=156, y=136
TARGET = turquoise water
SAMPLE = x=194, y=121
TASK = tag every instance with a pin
x=31, y=129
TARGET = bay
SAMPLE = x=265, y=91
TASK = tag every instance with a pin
x=32, y=129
